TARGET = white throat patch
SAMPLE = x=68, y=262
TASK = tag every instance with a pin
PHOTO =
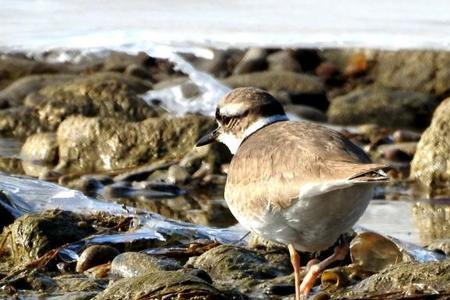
x=233, y=142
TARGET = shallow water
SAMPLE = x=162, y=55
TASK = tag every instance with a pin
x=10, y=147
x=25, y=195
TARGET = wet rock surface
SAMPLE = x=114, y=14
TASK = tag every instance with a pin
x=31, y=236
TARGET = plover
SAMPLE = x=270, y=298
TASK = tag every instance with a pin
x=296, y=183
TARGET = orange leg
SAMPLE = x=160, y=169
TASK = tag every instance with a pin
x=308, y=282
x=295, y=260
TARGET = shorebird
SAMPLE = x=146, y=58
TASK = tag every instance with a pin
x=296, y=183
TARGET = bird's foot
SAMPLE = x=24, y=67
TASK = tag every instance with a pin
x=315, y=268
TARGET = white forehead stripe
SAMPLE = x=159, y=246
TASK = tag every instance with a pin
x=233, y=109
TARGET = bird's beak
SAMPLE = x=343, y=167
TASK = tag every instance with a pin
x=209, y=138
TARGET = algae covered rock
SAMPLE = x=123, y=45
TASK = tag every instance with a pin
x=94, y=144
x=229, y=262
x=32, y=235
x=382, y=106
x=433, y=277
x=161, y=285
x=100, y=94
x=431, y=163
x=49, y=100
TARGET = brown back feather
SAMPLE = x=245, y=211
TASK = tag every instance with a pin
x=273, y=164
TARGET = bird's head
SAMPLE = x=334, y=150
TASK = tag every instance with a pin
x=242, y=112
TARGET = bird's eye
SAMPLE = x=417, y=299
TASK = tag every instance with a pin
x=226, y=120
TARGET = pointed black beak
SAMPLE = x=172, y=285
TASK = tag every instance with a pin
x=208, y=139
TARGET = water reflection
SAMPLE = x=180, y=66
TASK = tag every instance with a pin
x=10, y=147
x=433, y=221
x=419, y=222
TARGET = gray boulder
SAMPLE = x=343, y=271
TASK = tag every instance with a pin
x=382, y=106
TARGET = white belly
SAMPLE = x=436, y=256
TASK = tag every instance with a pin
x=314, y=222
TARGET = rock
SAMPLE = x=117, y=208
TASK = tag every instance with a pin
x=402, y=135
x=78, y=283
x=95, y=255
x=120, y=144
x=14, y=66
x=431, y=276
x=357, y=65
x=309, y=59
x=187, y=88
x=32, y=235
x=161, y=285
x=400, y=152
x=177, y=174
x=101, y=94
x=283, y=61
x=255, y=59
x=11, y=165
x=18, y=122
x=138, y=71
x=90, y=185
x=422, y=71
x=302, y=88
x=431, y=163
x=15, y=93
x=6, y=217
x=441, y=245
x=119, y=61
x=132, y=264
x=212, y=213
x=382, y=106
x=225, y=263
x=255, y=241
x=222, y=63
x=326, y=71
x=306, y=112
x=39, y=154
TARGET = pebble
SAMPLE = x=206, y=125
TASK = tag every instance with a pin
x=177, y=174
x=95, y=255
x=130, y=264
x=402, y=135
